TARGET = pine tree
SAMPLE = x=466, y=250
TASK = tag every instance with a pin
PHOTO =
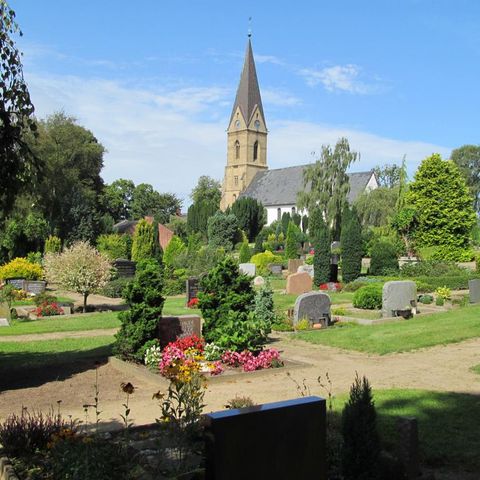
x=361, y=443
x=142, y=245
x=351, y=245
x=291, y=244
x=245, y=254
x=321, y=258
x=157, y=253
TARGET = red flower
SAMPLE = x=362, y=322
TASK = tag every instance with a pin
x=193, y=303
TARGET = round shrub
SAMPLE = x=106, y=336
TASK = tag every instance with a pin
x=114, y=288
x=261, y=261
x=21, y=268
x=384, y=259
x=369, y=297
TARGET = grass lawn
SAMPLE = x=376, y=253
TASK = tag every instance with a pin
x=176, y=306
x=401, y=335
x=447, y=424
x=476, y=369
x=62, y=324
x=20, y=355
x=368, y=314
x=30, y=302
x=284, y=302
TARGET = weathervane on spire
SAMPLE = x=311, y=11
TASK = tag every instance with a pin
x=249, y=27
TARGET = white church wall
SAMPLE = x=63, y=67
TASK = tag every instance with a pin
x=372, y=183
x=275, y=212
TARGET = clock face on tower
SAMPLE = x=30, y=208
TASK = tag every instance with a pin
x=257, y=124
x=237, y=124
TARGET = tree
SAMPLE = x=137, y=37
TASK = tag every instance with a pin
x=148, y=202
x=52, y=244
x=18, y=165
x=223, y=230
x=139, y=323
x=245, y=254
x=118, y=198
x=388, y=176
x=292, y=241
x=326, y=183
x=143, y=241
x=467, y=158
x=376, y=207
x=305, y=224
x=250, y=216
x=198, y=215
x=80, y=268
x=207, y=190
x=361, y=442
x=384, y=259
x=113, y=246
x=174, y=248
x=444, y=214
x=351, y=245
x=321, y=257
x=157, y=252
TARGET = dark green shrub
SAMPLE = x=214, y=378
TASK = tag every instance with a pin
x=354, y=286
x=250, y=216
x=223, y=230
x=227, y=305
x=321, y=258
x=368, y=297
x=114, y=288
x=361, y=442
x=292, y=243
x=139, y=324
x=383, y=259
x=439, y=302
x=430, y=284
x=432, y=268
x=113, y=246
x=351, y=244
x=425, y=299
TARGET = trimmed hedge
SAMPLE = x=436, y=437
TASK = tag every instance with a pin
x=368, y=297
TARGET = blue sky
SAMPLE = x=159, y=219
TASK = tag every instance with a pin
x=155, y=81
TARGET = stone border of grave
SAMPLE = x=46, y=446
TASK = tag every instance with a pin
x=135, y=369
x=6, y=469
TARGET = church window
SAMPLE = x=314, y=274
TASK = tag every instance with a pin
x=279, y=213
x=234, y=197
x=257, y=124
x=235, y=180
x=237, y=149
x=255, y=151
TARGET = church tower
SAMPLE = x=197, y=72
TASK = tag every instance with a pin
x=246, y=135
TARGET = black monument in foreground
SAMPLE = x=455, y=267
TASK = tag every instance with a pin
x=281, y=440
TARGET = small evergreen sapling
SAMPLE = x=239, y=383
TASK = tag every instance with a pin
x=321, y=257
x=361, y=442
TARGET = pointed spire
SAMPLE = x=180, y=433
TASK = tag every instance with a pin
x=248, y=93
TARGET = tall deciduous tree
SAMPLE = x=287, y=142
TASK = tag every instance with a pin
x=444, y=209
x=148, y=202
x=376, y=207
x=118, y=198
x=18, y=165
x=250, y=215
x=388, y=175
x=351, y=245
x=207, y=190
x=326, y=183
x=467, y=158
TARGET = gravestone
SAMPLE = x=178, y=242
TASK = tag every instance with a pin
x=307, y=269
x=293, y=264
x=474, y=290
x=408, y=446
x=247, y=269
x=192, y=288
x=315, y=307
x=4, y=315
x=258, y=281
x=125, y=268
x=17, y=283
x=170, y=329
x=298, y=283
x=34, y=286
x=397, y=296
x=275, y=269
x=281, y=440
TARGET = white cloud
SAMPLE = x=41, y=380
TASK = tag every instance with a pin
x=339, y=78
x=268, y=59
x=170, y=138
x=279, y=97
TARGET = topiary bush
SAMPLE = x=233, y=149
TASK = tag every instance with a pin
x=368, y=297
x=384, y=259
x=21, y=268
x=139, y=323
x=227, y=305
x=262, y=260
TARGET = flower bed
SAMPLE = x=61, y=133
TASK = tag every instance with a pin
x=190, y=355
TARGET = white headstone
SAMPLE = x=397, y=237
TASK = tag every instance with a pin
x=247, y=269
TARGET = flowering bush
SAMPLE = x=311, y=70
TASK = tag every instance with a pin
x=331, y=286
x=212, y=352
x=249, y=362
x=193, y=303
x=190, y=342
x=48, y=310
x=153, y=355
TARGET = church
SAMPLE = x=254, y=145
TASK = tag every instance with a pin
x=247, y=173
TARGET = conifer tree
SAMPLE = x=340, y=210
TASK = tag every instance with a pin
x=291, y=244
x=321, y=257
x=143, y=244
x=351, y=245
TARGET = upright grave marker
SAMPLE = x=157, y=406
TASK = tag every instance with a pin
x=248, y=269
x=474, y=290
x=299, y=283
x=192, y=288
x=170, y=329
x=281, y=440
x=398, y=296
x=4, y=315
x=313, y=306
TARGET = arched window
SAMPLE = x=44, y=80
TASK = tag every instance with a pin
x=279, y=213
x=255, y=151
x=234, y=197
x=293, y=210
x=237, y=149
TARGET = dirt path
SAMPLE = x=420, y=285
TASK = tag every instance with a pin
x=58, y=335
x=442, y=368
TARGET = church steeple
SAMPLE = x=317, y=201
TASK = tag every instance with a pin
x=246, y=134
x=248, y=93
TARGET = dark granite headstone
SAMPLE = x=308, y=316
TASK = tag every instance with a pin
x=16, y=282
x=170, y=329
x=125, y=268
x=314, y=306
x=281, y=441
x=192, y=288
x=474, y=290
x=275, y=269
x=408, y=446
x=34, y=286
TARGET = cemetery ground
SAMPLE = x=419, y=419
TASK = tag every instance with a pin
x=427, y=367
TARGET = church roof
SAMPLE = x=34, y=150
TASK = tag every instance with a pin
x=248, y=93
x=280, y=186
